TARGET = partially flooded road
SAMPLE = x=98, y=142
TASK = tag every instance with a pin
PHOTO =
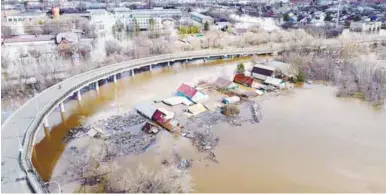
x=308, y=140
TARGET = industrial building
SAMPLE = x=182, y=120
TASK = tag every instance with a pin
x=201, y=18
x=26, y=16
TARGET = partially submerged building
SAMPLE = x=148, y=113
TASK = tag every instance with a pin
x=282, y=69
x=231, y=100
x=279, y=83
x=225, y=84
x=245, y=80
x=150, y=128
x=146, y=110
x=176, y=100
x=261, y=72
x=191, y=93
x=197, y=109
x=160, y=116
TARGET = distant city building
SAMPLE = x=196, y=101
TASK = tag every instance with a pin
x=142, y=17
x=143, y=22
x=70, y=12
x=21, y=17
x=121, y=12
x=16, y=21
x=361, y=26
x=201, y=18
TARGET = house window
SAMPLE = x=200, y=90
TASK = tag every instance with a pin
x=15, y=19
x=10, y=19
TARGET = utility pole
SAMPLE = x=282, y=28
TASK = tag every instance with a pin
x=337, y=19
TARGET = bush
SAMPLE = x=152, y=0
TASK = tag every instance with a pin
x=231, y=110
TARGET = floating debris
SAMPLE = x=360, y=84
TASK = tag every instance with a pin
x=255, y=110
x=127, y=143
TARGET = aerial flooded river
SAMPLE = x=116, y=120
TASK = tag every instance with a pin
x=308, y=141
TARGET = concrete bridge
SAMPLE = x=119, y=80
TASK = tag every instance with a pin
x=20, y=130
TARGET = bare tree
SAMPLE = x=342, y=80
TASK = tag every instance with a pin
x=113, y=46
x=55, y=27
x=166, y=180
x=6, y=30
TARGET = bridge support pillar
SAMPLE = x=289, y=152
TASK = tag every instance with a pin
x=45, y=122
x=150, y=67
x=97, y=86
x=79, y=96
x=61, y=105
x=132, y=73
x=63, y=117
x=115, y=78
x=168, y=63
x=47, y=133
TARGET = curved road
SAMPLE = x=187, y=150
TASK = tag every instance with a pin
x=19, y=129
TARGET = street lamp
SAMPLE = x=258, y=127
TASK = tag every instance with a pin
x=60, y=190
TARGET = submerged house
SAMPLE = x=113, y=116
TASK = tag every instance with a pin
x=191, y=93
x=146, y=110
x=279, y=83
x=261, y=72
x=160, y=116
x=150, y=128
x=176, y=100
x=245, y=80
x=197, y=109
x=282, y=69
x=225, y=84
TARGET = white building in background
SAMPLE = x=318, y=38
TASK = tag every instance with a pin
x=143, y=22
x=201, y=18
x=16, y=21
x=142, y=17
x=26, y=16
x=365, y=26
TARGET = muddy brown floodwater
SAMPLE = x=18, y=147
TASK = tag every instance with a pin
x=308, y=140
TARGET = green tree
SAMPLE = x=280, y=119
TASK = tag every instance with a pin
x=183, y=30
x=136, y=27
x=25, y=4
x=328, y=17
x=301, y=77
x=286, y=17
x=206, y=26
x=194, y=29
x=240, y=68
x=151, y=23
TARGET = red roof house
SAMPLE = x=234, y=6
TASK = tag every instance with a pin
x=187, y=91
x=244, y=80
